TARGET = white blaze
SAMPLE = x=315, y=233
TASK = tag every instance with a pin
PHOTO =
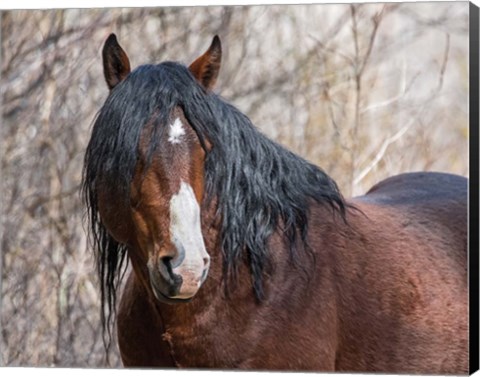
x=176, y=131
x=186, y=233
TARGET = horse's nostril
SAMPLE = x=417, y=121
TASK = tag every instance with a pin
x=206, y=261
x=167, y=263
x=167, y=271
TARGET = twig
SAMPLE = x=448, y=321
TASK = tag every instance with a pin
x=382, y=150
x=444, y=62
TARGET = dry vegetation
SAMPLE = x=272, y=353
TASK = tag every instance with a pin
x=364, y=91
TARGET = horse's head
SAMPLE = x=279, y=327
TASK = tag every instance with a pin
x=161, y=222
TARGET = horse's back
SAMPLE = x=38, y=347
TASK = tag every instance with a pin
x=420, y=189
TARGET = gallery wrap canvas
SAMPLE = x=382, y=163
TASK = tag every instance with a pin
x=266, y=187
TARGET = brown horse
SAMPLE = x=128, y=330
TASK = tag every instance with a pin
x=246, y=256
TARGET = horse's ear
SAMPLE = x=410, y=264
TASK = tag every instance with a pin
x=116, y=65
x=206, y=67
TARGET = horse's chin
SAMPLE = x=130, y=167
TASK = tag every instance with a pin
x=170, y=300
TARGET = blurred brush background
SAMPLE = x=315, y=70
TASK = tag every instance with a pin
x=365, y=91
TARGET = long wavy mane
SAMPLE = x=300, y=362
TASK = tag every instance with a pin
x=258, y=185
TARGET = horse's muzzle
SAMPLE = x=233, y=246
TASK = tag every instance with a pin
x=170, y=286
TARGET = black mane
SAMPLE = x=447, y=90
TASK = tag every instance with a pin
x=258, y=185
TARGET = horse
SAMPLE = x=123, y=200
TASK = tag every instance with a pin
x=246, y=256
